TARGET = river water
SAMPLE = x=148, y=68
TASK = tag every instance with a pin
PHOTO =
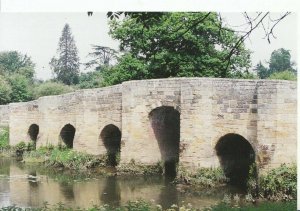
x=26, y=185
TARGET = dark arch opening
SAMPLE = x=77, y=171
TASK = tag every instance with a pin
x=67, y=134
x=111, y=137
x=236, y=155
x=165, y=122
x=33, y=132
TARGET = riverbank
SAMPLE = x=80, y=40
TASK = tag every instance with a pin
x=141, y=205
x=276, y=185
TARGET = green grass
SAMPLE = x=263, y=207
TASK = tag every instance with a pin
x=203, y=177
x=263, y=206
x=66, y=158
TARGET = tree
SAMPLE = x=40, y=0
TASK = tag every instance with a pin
x=66, y=66
x=90, y=80
x=5, y=91
x=176, y=45
x=262, y=71
x=21, y=88
x=13, y=62
x=102, y=56
x=280, y=60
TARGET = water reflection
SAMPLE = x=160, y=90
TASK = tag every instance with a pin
x=111, y=193
x=67, y=190
x=31, y=185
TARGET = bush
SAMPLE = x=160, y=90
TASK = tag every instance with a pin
x=284, y=75
x=279, y=183
x=51, y=88
x=4, y=138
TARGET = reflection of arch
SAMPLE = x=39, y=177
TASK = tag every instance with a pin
x=165, y=122
x=67, y=190
x=33, y=132
x=236, y=155
x=111, y=138
x=111, y=193
x=67, y=134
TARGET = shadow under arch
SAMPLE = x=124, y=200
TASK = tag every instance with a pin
x=33, y=132
x=165, y=122
x=236, y=155
x=67, y=134
x=111, y=138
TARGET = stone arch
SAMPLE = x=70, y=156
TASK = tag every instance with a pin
x=111, y=138
x=33, y=132
x=165, y=123
x=67, y=134
x=236, y=155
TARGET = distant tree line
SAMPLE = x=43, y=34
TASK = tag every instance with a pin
x=152, y=45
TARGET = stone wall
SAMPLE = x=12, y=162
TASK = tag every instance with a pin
x=4, y=115
x=262, y=111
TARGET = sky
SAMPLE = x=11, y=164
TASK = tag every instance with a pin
x=37, y=34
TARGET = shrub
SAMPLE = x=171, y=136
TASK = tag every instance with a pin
x=4, y=138
x=279, y=183
x=51, y=88
x=284, y=75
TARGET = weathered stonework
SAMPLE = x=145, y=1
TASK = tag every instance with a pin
x=4, y=115
x=264, y=112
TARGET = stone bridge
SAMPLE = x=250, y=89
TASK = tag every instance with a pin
x=198, y=122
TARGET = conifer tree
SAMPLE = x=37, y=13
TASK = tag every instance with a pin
x=66, y=66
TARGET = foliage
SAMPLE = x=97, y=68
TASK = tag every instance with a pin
x=21, y=88
x=279, y=183
x=137, y=205
x=284, y=75
x=141, y=205
x=134, y=168
x=66, y=66
x=4, y=138
x=50, y=88
x=90, y=80
x=280, y=61
x=102, y=57
x=128, y=68
x=22, y=147
x=62, y=157
x=13, y=62
x=261, y=70
x=204, y=177
x=16, y=77
x=263, y=206
x=5, y=91
x=175, y=45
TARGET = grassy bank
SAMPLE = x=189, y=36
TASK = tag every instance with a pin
x=202, y=177
x=64, y=158
x=141, y=205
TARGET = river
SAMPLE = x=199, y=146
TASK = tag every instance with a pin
x=26, y=185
